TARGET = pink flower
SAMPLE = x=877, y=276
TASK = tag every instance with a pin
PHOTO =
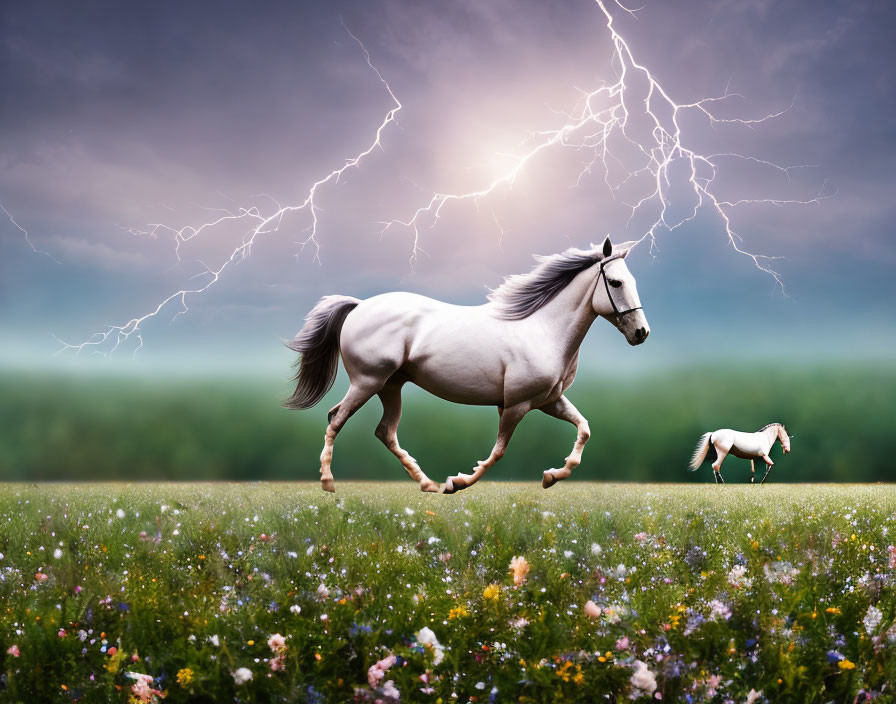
x=78, y=589
x=141, y=689
x=61, y=633
x=892, y=550
x=378, y=671
x=592, y=610
x=623, y=643
x=641, y=537
x=14, y=651
x=277, y=643
x=41, y=577
x=278, y=663
x=520, y=568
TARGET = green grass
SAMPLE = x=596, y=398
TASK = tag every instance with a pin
x=187, y=582
x=103, y=427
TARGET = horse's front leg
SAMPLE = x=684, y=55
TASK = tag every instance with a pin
x=769, y=463
x=563, y=409
x=509, y=419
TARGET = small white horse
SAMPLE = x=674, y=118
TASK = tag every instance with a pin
x=518, y=352
x=747, y=446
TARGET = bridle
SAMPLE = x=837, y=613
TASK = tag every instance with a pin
x=603, y=274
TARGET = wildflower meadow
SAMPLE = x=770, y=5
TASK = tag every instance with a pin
x=504, y=593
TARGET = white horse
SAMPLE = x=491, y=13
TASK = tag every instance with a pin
x=518, y=352
x=747, y=446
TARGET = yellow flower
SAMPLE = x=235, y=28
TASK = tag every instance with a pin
x=833, y=610
x=458, y=612
x=754, y=545
x=184, y=676
x=492, y=591
x=846, y=665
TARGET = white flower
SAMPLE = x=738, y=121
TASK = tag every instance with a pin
x=242, y=675
x=737, y=577
x=567, y=554
x=643, y=679
x=322, y=592
x=214, y=640
x=408, y=510
x=390, y=692
x=872, y=619
x=57, y=553
x=120, y=513
x=621, y=571
x=596, y=549
x=752, y=696
x=277, y=643
x=718, y=611
x=426, y=638
x=295, y=609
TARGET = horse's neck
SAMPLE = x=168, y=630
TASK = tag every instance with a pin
x=569, y=315
x=772, y=434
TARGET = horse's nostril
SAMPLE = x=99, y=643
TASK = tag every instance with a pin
x=641, y=334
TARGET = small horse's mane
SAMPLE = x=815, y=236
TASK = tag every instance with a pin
x=764, y=427
x=522, y=294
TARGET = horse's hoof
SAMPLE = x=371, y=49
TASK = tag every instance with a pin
x=429, y=486
x=547, y=479
x=328, y=485
x=453, y=485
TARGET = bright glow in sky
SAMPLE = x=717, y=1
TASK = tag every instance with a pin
x=118, y=117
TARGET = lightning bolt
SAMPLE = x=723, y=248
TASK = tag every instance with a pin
x=260, y=223
x=21, y=229
x=605, y=115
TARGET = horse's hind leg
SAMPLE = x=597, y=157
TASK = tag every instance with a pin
x=752, y=472
x=358, y=394
x=722, y=453
x=387, y=432
x=510, y=418
x=564, y=410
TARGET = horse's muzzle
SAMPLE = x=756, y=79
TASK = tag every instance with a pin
x=640, y=335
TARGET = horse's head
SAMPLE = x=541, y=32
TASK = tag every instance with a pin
x=616, y=295
x=784, y=438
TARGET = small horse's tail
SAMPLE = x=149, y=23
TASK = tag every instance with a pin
x=700, y=452
x=318, y=345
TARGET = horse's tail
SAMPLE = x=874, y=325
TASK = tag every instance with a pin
x=700, y=452
x=318, y=345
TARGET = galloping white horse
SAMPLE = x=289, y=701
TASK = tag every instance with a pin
x=518, y=352
x=747, y=446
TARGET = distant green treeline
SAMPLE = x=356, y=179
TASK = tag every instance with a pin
x=643, y=428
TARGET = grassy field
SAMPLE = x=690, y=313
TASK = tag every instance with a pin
x=107, y=427
x=504, y=593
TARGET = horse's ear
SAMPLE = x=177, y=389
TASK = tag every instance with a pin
x=608, y=247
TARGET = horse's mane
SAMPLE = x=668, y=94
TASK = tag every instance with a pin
x=768, y=426
x=522, y=294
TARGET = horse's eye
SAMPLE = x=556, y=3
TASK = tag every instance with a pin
x=615, y=284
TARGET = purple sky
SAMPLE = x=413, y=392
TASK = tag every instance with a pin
x=122, y=115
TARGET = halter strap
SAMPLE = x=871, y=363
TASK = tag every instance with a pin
x=603, y=274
